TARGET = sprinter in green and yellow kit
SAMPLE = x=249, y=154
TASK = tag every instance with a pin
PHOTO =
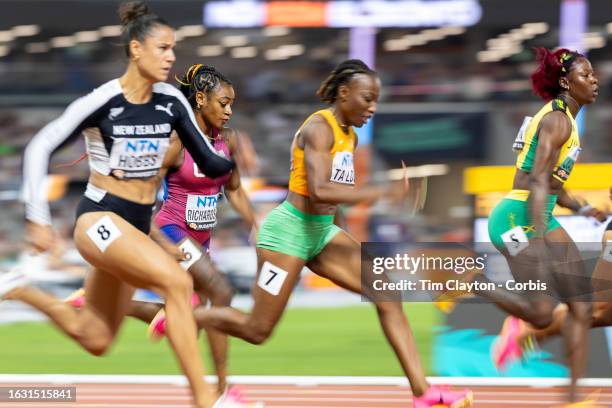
x=522, y=227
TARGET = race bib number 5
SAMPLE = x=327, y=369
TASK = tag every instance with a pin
x=343, y=170
x=515, y=240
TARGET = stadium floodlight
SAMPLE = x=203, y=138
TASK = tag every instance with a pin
x=243, y=52
x=396, y=44
x=276, y=55
x=536, y=28
x=292, y=50
x=194, y=30
x=25, y=30
x=87, y=36
x=210, y=50
x=110, y=31
x=276, y=31
x=37, y=47
x=6, y=36
x=63, y=41
x=235, y=40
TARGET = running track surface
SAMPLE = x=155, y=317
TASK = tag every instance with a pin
x=289, y=396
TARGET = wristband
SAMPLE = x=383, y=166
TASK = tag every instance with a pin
x=585, y=209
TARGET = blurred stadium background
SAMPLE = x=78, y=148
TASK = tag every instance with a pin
x=455, y=77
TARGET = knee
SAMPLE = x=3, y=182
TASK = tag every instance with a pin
x=178, y=284
x=541, y=321
x=258, y=334
x=97, y=345
x=222, y=296
x=542, y=316
x=97, y=350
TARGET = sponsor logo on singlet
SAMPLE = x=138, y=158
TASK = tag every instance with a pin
x=343, y=170
x=114, y=112
x=201, y=211
x=137, y=158
x=165, y=108
x=564, y=170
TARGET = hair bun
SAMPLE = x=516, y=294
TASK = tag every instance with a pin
x=132, y=10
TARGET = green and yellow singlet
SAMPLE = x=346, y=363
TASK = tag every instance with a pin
x=569, y=151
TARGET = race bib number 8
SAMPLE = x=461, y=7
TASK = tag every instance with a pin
x=134, y=158
x=271, y=278
x=201, y=211
x=343, y=170
x=515, y=240
x=103, y=233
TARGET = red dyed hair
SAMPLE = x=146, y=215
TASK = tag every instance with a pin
x=545, y=79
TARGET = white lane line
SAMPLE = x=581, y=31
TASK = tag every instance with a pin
x=300, y=380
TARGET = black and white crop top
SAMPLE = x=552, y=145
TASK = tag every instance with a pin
x=124, y=140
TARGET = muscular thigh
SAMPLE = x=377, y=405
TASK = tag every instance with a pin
x=131, y=256
x=277, y=275
x=340, y=262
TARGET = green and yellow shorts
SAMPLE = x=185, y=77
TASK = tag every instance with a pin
x=513, y=211
x=290, y=231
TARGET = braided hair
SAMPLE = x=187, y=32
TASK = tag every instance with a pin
x=200, y=78
x=137, y=20
x=341, y=75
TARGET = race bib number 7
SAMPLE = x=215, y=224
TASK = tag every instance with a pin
x=271, y=278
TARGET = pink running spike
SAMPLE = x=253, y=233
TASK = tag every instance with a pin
x=76, y=298
x=442, y=396
x=157, y=327
x=234, y=398
x=506, y=348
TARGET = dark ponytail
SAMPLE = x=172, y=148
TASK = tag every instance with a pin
x=137, y=21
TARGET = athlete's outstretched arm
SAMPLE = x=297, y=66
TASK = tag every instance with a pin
x=579, y=206
x=205, y=156
x=233, y=188
x=79, y=115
